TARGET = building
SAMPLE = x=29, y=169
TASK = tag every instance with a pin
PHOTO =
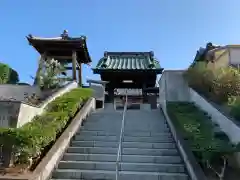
x=219, y=56
x=65, y=49
x=128, y=70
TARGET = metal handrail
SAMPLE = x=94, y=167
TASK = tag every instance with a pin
x=119, y=153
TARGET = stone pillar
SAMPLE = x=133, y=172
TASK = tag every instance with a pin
x=74, y=61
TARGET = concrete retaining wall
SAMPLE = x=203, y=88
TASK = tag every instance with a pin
x=226, y=125
x=167, y=83
x=174, y=88
x=17, y=113
x=173, y=85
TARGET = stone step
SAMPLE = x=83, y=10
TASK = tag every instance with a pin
x=134, y=134
x=134, y=127
x=125, y=158
x=125, y=138
x=111, y=166
x=96, y=138
x=127, y=151
x=151, y=152
x=148, y=139
x=130, y=127
x=148, y=149
x=127, y=122
x=92, y=150
x=118, y=128
x=111, y=175
x=168, y=145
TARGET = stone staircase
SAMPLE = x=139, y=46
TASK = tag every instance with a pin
x=149, y=151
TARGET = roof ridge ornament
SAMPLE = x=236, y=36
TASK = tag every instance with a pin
x=152, y=53
x=64, y=35
x=105, y=53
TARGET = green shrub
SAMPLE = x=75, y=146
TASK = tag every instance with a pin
x=200, y=78
x=226, y=84
x=30, y=140
x=197, y=129
x=234, y=104
x=216, y=84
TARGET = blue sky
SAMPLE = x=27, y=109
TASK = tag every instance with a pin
x=173, y=29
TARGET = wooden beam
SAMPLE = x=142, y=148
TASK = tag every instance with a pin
x=74, y=61
x=70, y=68
x=61, y=57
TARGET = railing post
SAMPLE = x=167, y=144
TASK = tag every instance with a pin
x=119, y=153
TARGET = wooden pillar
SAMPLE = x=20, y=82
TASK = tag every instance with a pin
x=80, y=75
x=111, y=94
x=145, y=100
x=74, y=61
x=40, y=66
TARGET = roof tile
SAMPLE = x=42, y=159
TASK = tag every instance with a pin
x=128, y=61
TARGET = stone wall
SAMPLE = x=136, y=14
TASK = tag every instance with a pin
x=17, y=92
x=17, y=113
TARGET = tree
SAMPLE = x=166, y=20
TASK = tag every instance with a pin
x=8, y=75
x=52, y=75
x=13, y=77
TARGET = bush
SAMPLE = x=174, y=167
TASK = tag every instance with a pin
x=226, y=83
x=216, y=84
x=200, y=78
x=234, y=104
x=196, y=127
x=30, y=140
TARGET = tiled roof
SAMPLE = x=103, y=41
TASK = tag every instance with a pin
x=128, y=61
x=62, y=46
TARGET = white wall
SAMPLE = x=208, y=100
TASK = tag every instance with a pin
x=162, y=92
x=17, y=92
x=98, y=91
x=173, y=86
x=226, y=125
x=234, y=56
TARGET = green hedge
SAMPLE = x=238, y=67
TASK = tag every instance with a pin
x=198, y=129
x=30, y=140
